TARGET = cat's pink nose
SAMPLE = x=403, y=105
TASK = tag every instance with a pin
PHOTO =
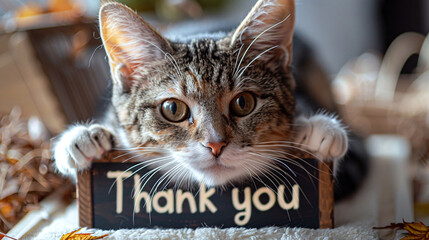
x=216, y=147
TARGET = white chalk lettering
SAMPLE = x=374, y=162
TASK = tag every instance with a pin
x=204, y=199
x=243, y=217
x=294, y=203
x=257, y=201
x=170, y=201
x=119, y=175
x=169, y=198
x=138, y=195
x=181, y=197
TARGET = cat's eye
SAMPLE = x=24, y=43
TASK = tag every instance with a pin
x=243, y=104
x=174, y=110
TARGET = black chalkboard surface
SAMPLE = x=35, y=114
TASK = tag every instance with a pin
x=108, y=200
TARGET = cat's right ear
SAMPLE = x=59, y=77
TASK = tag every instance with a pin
x=131, y=44
x=267, y=31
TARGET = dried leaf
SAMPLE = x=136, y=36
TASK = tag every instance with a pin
x=415, y=230
x=391, y=226
x=2, y=235
x=80, y=236
x=26, y=173
x=410, y=237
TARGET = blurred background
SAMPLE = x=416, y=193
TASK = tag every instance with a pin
x=373, y=55
x=62, y=38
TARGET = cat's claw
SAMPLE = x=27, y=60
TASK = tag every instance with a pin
x=79, y=145
x=322, y=135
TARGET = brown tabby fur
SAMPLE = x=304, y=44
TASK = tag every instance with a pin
x=207, y=73
x=206, y=68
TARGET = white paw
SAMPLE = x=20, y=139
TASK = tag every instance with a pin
x=322, y=135
x=79, y=145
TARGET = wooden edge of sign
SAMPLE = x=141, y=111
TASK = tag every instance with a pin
x=326, y=191
x=84, y=196
x=326, y=195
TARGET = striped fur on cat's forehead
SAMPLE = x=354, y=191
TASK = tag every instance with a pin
x=206, y=74
x=203, y=75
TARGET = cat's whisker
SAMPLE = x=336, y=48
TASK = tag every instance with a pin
x=250, y=175
x=280, y=157
x=236, y=59
x=139, y=147
x=261, y=169
x=292, y=157
x=157, y=162
x=257, y=37
x=257, y=154
x=255, y=174
x=174, y=62
x=288, y=146
x=152, y=172
x=134, y=157
x=161, y=179
x=272, y=176
x=176, y=177
x=170, y=176
x=147, y=176
x=283, y=141
x=93, y=53
x=135, y=154
x=275, y=158
x=184, y=173
x=263, y=172
x=241, y=71
x=131, y=43
x=277, y=170
x=147, y=162
x=294, y=181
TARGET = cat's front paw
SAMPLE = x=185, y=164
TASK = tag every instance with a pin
x=79, y=145
x=323, y=136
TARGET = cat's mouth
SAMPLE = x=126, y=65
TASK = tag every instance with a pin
x=216, y=167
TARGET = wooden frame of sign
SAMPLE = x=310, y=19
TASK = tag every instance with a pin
x=305, y=198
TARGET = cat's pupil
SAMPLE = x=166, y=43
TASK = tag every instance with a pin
x=173, y=108
x=241, y=102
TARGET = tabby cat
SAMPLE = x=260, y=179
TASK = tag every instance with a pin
x=217, y=108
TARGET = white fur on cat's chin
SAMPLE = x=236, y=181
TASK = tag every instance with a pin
x=232, y=163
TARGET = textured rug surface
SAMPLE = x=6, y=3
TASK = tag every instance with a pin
x=67, y=222
x=353, y=231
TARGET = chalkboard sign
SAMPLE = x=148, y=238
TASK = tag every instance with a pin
x=108, y=200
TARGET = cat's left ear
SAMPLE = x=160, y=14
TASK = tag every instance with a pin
x=131, y=44
x=267, y=31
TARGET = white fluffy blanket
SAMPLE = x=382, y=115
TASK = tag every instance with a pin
x=67, y=222
x=344, y=232
x=353, y=231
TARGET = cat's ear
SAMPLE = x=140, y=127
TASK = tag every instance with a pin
x=131, y=44
x=267, y=31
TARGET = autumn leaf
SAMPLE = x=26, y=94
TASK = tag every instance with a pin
x=416, y=230
x=392, y=226
x=80, y=236
x=4, y=236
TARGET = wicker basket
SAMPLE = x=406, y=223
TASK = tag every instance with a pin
x=374, y=98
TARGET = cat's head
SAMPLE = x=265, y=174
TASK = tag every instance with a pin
x=212, y=110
